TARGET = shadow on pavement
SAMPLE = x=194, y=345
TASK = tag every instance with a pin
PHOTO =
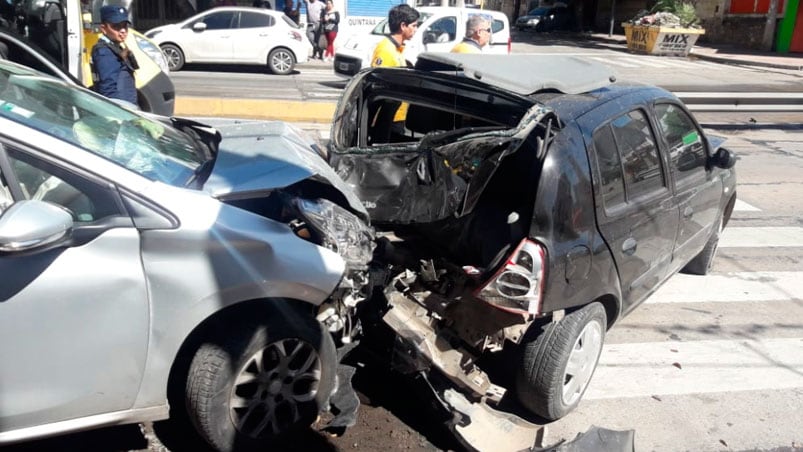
x=230, y=68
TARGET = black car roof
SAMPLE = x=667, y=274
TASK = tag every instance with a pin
x=524, y=74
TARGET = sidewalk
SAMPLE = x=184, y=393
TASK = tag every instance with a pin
x=726, y=54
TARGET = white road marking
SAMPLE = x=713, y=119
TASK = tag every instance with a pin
x=742, y=206
x=656, y=368
x=730, y=287
x=761, y=237
x=615, y=62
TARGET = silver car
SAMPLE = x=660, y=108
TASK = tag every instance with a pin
x=139, y=253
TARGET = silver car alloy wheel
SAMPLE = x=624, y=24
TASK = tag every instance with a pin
x=172, y=56
x=270, y=388
x=582, y=362
x=282, y=61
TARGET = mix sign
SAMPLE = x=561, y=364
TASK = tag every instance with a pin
x=660, y=40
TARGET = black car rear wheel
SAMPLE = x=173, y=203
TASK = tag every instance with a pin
x=260, y=382
x=558, y=360
x=701, y=264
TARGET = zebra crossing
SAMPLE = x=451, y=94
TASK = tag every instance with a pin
x=707, y=362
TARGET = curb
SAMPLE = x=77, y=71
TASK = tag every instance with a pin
x=736, y=61
x=283, y=110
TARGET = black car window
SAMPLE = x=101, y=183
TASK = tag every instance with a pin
x=86, y=200
x=640, y=158
x=255, y=20
x=686, y=149
x=218, y=21
x=610, y=168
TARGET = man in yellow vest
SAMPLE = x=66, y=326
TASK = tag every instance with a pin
x=403, y=22
x=478, y=35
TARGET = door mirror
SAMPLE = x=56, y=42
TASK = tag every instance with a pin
x=28, y=225
x=199, y=26
x=724, y=159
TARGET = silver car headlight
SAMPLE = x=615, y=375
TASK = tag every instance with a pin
x=533, y=21
x=155, y=53
x=340, y=231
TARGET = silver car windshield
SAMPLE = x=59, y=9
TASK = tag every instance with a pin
x=101, y=126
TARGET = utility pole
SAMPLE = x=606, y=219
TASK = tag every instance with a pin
x=769, y=27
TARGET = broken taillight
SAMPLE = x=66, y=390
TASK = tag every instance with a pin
x=517, y=286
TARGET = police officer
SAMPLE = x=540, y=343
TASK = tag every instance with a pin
x=113, y=64
x=478, y=34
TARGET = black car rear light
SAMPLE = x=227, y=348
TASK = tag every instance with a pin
x=517, y=286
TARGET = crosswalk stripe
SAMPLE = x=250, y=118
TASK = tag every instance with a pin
x=614, y=62
x=742, y=206
x=643, y=61
x=634, y=370
x=761, y=237
x=730, y=287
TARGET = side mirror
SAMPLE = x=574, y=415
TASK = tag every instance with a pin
x=724, y=159
x=33, y=224
x=199, y=26
x=429, y=37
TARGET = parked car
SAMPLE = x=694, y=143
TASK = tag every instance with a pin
x=525, y=213
x=157, y=267
x=234, y=35
x=440, y=29
x=547, y=18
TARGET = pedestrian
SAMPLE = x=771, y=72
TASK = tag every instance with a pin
x=403, y=22
x=329, y=21
x=112, y=63
x=478, y=35
x=314, y=10
x=291, y=12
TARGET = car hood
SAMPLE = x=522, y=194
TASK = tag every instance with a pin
x=258, y=156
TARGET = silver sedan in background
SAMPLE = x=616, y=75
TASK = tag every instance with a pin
x=139, y=253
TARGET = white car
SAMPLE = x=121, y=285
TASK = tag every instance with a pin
x=235, y=35
x=440, y=28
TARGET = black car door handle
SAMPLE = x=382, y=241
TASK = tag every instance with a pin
x=629, y=246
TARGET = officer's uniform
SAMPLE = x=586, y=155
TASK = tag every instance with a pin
x=113, y=75
x=467, y=45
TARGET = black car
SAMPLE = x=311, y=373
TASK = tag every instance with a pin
x=527, y=203
x=547, y=18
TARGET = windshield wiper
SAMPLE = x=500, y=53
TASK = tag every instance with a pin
x=201, y=174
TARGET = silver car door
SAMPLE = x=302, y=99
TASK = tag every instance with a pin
x=73, y=316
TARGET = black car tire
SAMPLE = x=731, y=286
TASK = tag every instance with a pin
x=544, y=373
x=174, y=57
x=701, y=264
x=259, y=382
x=281, y=61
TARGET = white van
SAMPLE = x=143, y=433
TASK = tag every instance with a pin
x=440, y=29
